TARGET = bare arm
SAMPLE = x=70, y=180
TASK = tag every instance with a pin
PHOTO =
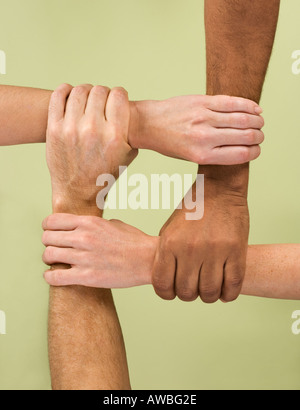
x=273, y=271
x=239, y=42
x=86, y=347
x=23, y=115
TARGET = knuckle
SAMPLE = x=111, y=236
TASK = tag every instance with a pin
x=100, y=89
x=244, y=155
x=56, y=277
x=70, y=131
x=250, y=137
x=235, y=282
x=229, y=103
x=64, y=87
x=45, y=237
x=243, y=120
x=162, y=285
x=230, y=298
x=210, y=293
x=48, y=254
x=119, y=91
x=186, y=294
x=205, y=157
x=262, y=137
x=90, y=130
x=191, y=246
x=79, y=90
x=54, y=130
x=60, y=91
x=86, y=238
x=262, y=122
x=87, y=221
x=168, y=242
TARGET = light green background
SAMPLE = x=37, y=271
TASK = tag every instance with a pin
x=155, y=49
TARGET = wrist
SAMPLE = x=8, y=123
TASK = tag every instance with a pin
x=142, y=129
x=134, y=125
x=234, y=179
x=70, y=205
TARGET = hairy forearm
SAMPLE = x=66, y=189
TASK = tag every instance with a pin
x=86, y=347
x=239, y=42
x=23, y=115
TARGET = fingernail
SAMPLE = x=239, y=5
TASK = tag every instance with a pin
x=258, y=110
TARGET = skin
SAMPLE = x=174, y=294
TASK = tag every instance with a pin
x=103, y=254
x=86, y=136
x=208, y=257
x=24, y=117
x=201, y=129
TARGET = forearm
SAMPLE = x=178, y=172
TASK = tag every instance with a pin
x=86, y=347
x=239, y=42
x=23, y=115
x=273, y=271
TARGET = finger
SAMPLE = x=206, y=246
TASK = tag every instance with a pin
x=224, y=103
x=62, y=277
x=58, y=102
x=237, y=120
x=211, y=280
x=117, y=108
x=61, y=222
x=77, y=102
x=234, y=273
x=67, y=256
x=59, y=239
x=96, y=103
x=234, y=155
x=228, y=136
x=163, y=274
x=187, y=279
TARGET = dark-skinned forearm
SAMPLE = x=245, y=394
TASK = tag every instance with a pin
x=239, y=42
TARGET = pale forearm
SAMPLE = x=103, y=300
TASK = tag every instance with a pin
x=273, y=271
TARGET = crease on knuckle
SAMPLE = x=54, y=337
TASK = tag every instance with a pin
x=162, y=285
x=209, y=293
x=186, y=294
x=244, y=120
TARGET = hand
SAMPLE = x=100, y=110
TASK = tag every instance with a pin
x=102, y=254
x=215, y=130
x=205, y=257
x=87, y=135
